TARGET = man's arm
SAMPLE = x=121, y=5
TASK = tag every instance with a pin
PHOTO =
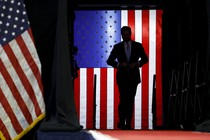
x=112, y=58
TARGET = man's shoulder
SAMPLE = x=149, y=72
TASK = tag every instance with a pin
x=136, y=43
x=119, y=43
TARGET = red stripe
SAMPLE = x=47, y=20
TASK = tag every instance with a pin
x=77, y=93
x=31, y=34
x=10, y=113
x=90, y=93
x=131, y=23
x=116, y=100
x=4, y=130
x=103, y=99
x=158, y=68
x=35, y=71
x=15, y=92
x=145, y=69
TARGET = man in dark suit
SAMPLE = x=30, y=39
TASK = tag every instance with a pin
x=127, y=56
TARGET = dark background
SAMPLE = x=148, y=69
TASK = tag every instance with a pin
x=185, y=50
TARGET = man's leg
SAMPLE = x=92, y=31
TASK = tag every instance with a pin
x=130, y=105
x=122, y=107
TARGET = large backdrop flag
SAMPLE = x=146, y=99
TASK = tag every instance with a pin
x=95, y=34
x=21, y=91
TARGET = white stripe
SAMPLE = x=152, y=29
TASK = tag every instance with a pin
x=110, y=98
x=31, y=77
x=97, y=72
x=152, y=60
x=1, y=50
x=124, y=18
x=7, y=122
x=138, y=98
x=83, y=97
x=13, y=103
x=138, y=25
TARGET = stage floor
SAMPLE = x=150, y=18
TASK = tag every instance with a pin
x=153, y=134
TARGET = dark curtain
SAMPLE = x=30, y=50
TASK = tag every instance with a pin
x=51, y=22
x=43, y=16
x=184, y=63
x=204, y=126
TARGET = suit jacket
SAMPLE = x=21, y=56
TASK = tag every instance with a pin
x=118, y=55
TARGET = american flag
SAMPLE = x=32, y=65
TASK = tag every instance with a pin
x=95, y=33
x=21, y=103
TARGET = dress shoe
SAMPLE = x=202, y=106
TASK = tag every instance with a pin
x=121, y=126
x=128, y=127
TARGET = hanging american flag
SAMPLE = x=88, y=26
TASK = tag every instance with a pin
x=21, y=92
x=95, y=34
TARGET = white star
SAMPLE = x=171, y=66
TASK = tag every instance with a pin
x=2, y=15
x=16, y=18
x=10, y=9
x=5, y=32
x=9, y=16
x=14, y=26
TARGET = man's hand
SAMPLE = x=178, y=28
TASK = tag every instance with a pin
x=133, y=65
x=123, y=64
x=130, y=66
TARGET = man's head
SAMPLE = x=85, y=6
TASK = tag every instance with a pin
x=126, y=33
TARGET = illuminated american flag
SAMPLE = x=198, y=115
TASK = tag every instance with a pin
x=21, y=99
x=95, y=34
